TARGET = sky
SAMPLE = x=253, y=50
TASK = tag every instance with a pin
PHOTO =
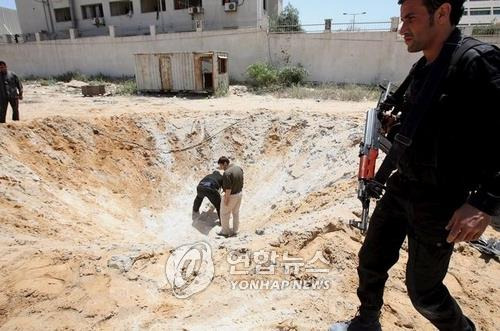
x=8, y=3
x=315, y=11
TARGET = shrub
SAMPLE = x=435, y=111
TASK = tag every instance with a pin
x=262, y=75
x=289, y=76
x=69, y=76
x=127, y=87
x=491, y=29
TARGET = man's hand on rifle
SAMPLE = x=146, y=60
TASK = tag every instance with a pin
x=388, y=120
x=374, y=189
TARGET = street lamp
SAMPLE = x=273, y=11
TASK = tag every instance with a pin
x=354, y=17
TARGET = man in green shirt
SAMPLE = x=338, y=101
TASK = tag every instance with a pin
x=232, y=185
x=11, y=91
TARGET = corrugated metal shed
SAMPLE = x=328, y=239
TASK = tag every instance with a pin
x=188, y=71
x=9, y=22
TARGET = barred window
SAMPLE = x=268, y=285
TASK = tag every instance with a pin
x=118, y=8
x=184, y=4
x=62, y=14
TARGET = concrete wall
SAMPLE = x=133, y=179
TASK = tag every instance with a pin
x=250, y=13
x=339, y=57
x=114, y=56
x=363, y=57
x=354, y=57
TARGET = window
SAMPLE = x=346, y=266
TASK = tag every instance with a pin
x=118, y=8
x=149, y=6
x=222, y=64
x=496, y=10
x=92, y=11
x=62, y=14
x=480, y=11
x=264, y=4
x=184, y=4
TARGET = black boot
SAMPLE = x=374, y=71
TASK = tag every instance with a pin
x=366, y=322
x=359, y=323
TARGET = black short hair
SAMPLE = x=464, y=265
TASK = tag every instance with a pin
x=457, y=8
x=3, y=63
x=223, y=160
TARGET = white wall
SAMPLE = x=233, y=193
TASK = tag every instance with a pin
x=249, y=14
x=363, y=57
x=355, y=57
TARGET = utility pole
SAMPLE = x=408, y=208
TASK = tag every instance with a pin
x=354, y=17
x=74, y=21
x=51, y=19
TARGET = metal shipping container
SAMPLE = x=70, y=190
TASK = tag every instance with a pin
x=193, y=71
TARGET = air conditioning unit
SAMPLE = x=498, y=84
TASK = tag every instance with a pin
x=231, y=6
x=195, y=10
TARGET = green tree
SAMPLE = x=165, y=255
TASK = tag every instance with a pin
x=287, y=21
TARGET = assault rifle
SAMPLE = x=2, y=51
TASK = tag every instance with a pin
x=374, y=140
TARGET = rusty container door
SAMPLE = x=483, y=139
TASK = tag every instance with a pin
x=204, y=72
x=166, y=72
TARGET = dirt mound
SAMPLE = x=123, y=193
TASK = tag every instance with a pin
x=92, y=209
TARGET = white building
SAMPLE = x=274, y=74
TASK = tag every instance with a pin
x=134, y=17
x=9, y=24
x=480, y=12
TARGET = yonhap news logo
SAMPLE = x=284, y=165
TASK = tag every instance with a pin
x=190, y=269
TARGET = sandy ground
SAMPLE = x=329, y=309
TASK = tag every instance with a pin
x=95, y=197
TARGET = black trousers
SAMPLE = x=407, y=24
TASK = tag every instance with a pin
x=422, y=215
x=210, y=193
x=4, y=103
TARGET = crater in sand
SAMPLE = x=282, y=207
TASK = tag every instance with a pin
x=129, y=178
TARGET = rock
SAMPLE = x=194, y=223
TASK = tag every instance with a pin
x=259, y=232
x=87, y=270
x=76, y=84
x=133, y=277
x=275, y=243
x=274, y=137
x=121, y=263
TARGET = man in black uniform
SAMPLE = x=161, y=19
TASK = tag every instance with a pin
x=209, y=187
x=11, y=91
x=446, y=187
